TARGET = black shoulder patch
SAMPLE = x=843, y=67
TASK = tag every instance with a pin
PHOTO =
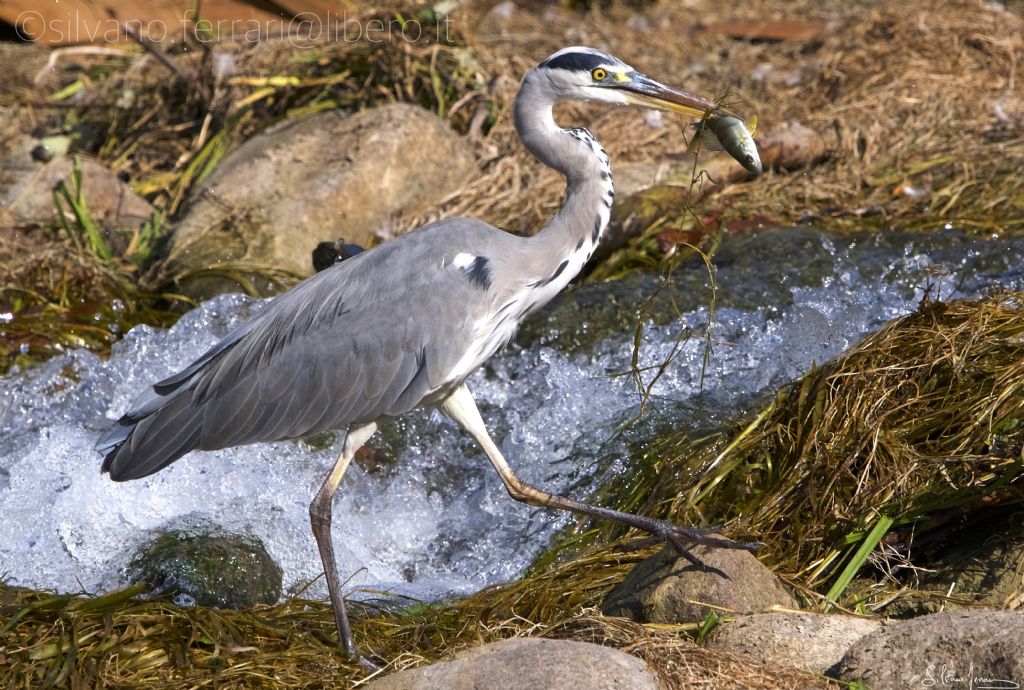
x=576, y=61
x=479, y=272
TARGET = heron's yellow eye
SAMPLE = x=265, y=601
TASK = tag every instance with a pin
x=599, y=74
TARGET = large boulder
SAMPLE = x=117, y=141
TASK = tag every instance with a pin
x=814, y=642
x=666, y=588
x=315, y=179
x=961, y=649
x=528, y=664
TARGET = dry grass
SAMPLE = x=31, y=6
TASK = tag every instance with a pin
x=115, y=642
x=922, y=419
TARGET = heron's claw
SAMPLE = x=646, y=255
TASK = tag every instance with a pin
x=365, y=662
x=677, y=535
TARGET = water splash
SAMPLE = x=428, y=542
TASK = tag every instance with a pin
x=433, y=519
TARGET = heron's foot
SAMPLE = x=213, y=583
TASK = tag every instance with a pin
x=347, y=646
x=353, y=652
x=679, y=535
x=708, y=536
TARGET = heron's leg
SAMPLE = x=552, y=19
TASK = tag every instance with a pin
x=461, y=407
x=320, y=519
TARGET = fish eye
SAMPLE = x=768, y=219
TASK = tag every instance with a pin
x=599, y=74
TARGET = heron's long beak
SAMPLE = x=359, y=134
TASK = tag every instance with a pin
x=644, y=91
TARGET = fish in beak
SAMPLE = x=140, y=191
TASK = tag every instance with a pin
x=720, y=127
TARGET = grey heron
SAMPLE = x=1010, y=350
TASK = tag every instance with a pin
x=405, y=324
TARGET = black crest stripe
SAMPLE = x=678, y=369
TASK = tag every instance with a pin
x=576, y=61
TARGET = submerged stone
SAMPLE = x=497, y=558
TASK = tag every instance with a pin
x=208, y=568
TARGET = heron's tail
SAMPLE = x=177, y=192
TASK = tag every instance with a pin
x=154, y=433
x=164, y=423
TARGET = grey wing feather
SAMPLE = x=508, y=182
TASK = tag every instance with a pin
x=366, y=338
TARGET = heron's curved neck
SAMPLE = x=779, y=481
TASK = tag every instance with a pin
x=569, y=239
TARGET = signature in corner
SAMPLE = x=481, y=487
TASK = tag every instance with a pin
x=942, y=676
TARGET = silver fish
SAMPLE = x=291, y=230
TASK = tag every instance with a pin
x=732, y=135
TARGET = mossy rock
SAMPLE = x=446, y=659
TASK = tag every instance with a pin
x=207, y=568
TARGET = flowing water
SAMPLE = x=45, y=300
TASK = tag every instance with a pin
x=432, y=518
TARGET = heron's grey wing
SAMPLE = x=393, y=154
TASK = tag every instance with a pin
x=369, y=337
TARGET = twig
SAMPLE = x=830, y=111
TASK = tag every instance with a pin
x=153, y=49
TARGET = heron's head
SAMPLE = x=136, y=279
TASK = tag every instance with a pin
x=587, y=74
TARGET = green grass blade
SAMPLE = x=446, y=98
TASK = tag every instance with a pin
x=76, y=204
x=859, y=558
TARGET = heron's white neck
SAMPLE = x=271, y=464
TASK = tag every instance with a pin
x=559, y=251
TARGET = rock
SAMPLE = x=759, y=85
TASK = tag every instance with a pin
x=989, y=574
x=667, y=588
x=26, y=192
x=944, y=650
x=813, y=642
x=527, y=664
x=310, y=180
x=793, y=146
x=210, y=569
